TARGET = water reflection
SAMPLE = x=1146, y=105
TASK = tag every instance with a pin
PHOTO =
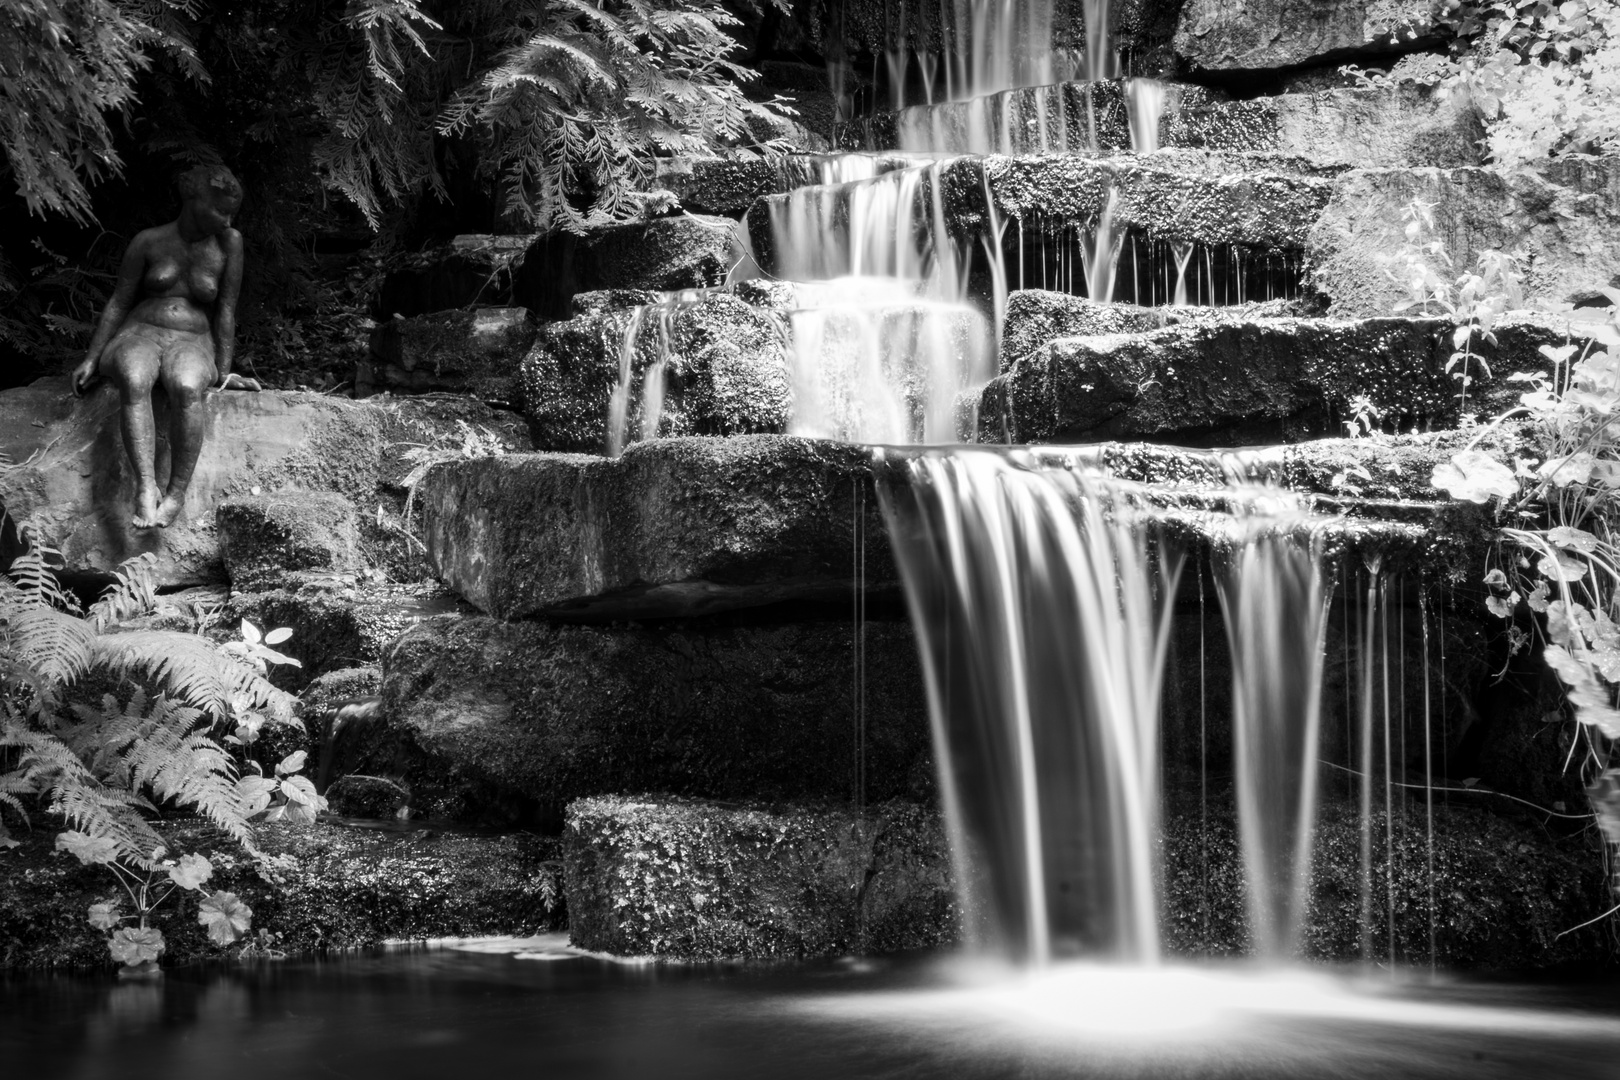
x=443, y=1013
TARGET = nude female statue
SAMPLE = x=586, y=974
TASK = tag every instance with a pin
x=171, y=321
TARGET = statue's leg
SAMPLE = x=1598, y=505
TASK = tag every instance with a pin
x=131, y=362
x=188, y=372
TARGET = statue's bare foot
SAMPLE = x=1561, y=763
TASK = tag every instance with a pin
x=169, y=510
x=146, y=511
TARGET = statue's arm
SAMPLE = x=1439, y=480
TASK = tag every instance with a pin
x=119, y=305
x=230, y=288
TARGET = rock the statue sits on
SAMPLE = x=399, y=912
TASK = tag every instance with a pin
x=171, y=322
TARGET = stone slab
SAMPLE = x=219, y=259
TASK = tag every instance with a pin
x=1220, y=36
x=1242, y=382
x=673, y=527
x=668, y=878
x=507, y=722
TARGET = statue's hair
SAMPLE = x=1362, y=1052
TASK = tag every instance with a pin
x=214, y=180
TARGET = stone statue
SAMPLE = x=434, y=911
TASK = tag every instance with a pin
x=171, y=321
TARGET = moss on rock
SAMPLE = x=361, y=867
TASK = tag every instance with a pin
x=702, y=881
x=265, y=539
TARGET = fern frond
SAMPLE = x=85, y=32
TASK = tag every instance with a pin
x=51, y=644
x=190, y=669
x=133, y=593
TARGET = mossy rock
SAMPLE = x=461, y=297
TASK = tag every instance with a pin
x=266, y=538
x=510, y=721
x=675, y=879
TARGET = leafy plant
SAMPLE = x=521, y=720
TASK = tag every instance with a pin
x=138, y=947
x=1476, y=299
x=1565, y=534
x=106, y=768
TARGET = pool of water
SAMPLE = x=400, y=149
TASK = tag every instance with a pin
x=536, y=1008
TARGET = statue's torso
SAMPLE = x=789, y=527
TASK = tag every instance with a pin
x=180, y=281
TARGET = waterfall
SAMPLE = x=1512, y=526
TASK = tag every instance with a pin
x=1270, y=583
x=1041, y=605
x=1144, y=102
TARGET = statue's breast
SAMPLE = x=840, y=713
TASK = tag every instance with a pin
x=161, y=275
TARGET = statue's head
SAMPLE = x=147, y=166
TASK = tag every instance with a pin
x=214, y=189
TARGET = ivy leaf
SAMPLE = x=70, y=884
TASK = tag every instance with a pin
x=1496, y=579
x=1561, y=568
x=90, y=850
x=1538, y=597
x=192, y=871
x=1591, y=701
x=1574, y=469
x=1567, y=536
x=103, y=916
x=1502, y=609
x=1474, y=476
x=225, y=916
x=292, y=762
x=278, y=635
x=136, y=945
x=250, y=633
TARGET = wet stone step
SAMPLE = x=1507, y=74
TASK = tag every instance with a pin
x=1242, y=382
x=1180, y=196
x=693, y=526
x=1401, y=124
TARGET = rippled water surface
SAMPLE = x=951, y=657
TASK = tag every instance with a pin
x=535, y=1008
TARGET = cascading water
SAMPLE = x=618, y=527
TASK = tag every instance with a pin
x=1270, y=582
x=1041, y=608
x=1042, y=592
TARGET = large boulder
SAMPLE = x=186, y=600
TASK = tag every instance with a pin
x=502, y=721
x=1561, y=218
x=1220, y=36
x=1241, y=382
x=673, y=527
x=70, y=484
x=473, y=352
x=719, y=367
x=684, y=880
x=683, y=252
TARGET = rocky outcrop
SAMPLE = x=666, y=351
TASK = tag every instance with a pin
x=719, y=367
x=1561, y=219
x=1235, y=382
x=674, y=527
x=506, y=722
x=654, y=876
x=664, y=254
x=1219, y=36
x=264, y=539
x=474, y=352
x=70, y=483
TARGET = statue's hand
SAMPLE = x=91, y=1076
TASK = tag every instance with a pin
x=83, y=377
x=234, y=381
